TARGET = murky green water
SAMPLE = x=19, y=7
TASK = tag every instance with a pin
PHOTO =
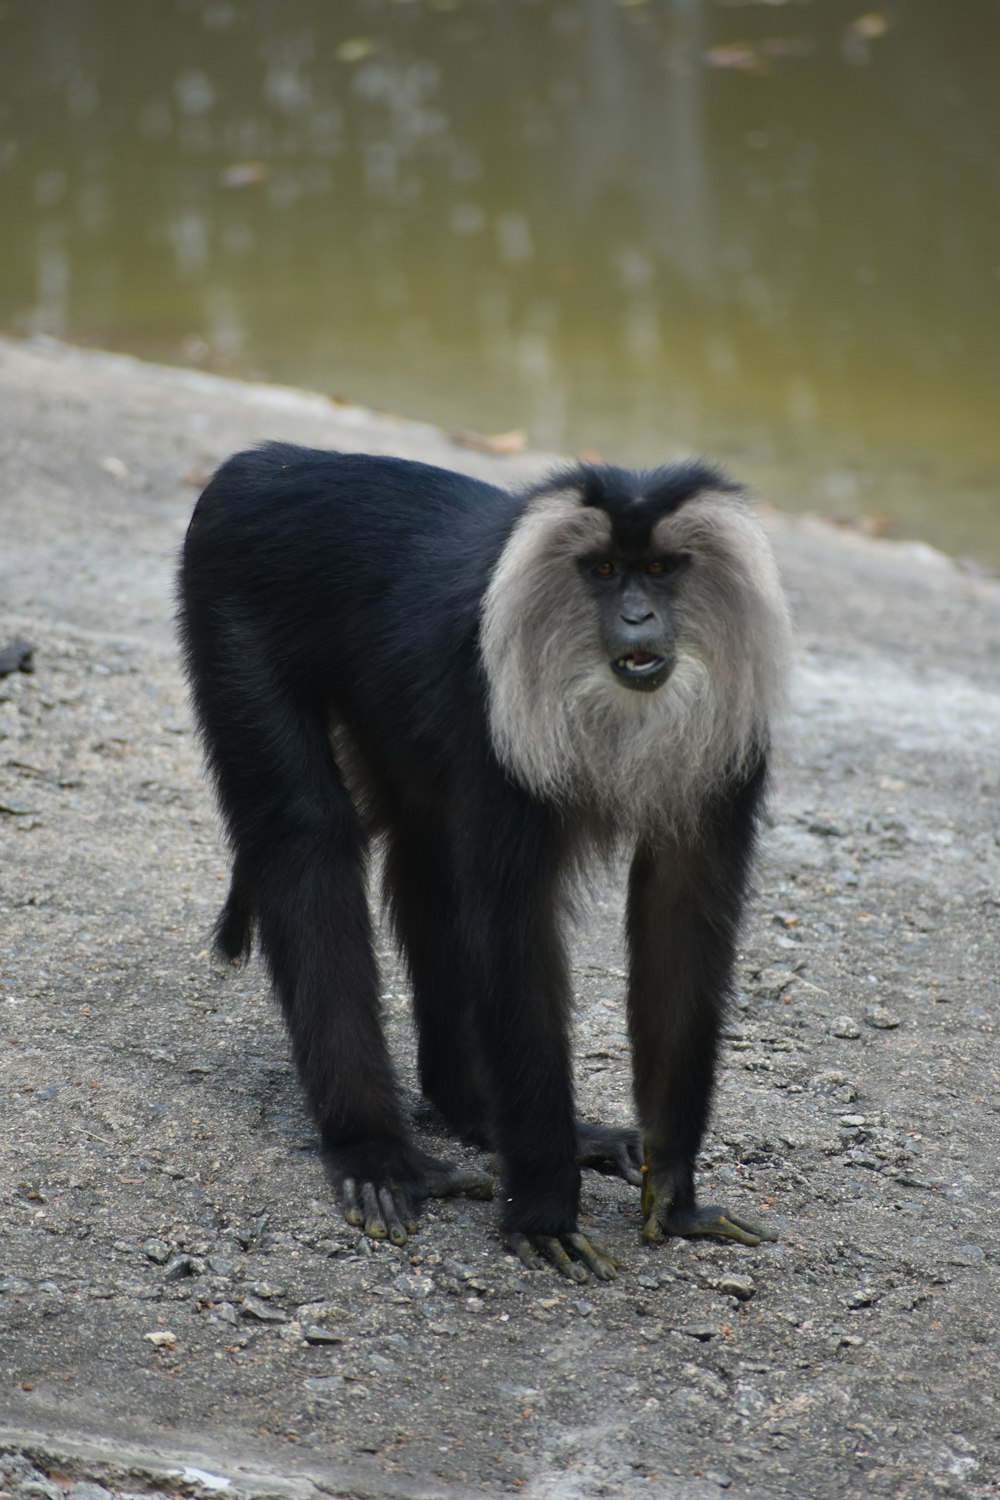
x=766, y=231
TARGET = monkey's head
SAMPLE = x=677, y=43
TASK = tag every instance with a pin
x=635, y=639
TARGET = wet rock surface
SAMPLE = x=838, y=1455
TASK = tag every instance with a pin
x=181, y=1307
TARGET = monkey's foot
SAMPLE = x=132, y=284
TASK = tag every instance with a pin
x=388, y=1210
x=711, y=1222
x=573, y=1255
x=610, y=1149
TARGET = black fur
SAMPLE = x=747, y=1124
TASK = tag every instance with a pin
x=320, y=589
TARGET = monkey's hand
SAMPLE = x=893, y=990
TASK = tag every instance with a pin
x=574, y=1255
x=388, y=1209
x=662, y=1218
x=610, y=1149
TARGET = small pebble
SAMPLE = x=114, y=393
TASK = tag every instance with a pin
x=700, y=1331
x=417, y=1288
x=844, y=1026
x=181, y=1266
x=880, y=1018
x=251, y=1307
x=737, y=1286
x=316, y=1335
x=39, y=1489
x=86, y=1490
x=161, y=1339
x=265, y=1289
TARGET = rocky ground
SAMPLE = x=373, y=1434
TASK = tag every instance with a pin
x=181, y=1308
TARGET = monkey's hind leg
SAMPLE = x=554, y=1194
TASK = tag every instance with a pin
x=316, y=936
x=299, y=872
x=422, y=902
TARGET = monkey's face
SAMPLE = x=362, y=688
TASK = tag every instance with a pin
x=634, y=597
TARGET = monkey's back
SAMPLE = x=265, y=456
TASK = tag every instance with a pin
x=387, y=561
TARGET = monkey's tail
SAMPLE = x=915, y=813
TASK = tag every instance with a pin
x=237, y=921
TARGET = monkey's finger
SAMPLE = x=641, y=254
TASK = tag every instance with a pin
x=349, y=1202
x=594, y=1256
x=453, y=1182
x=395, y=1227
x=375, y=1225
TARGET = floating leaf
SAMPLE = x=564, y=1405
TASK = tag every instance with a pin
x=355, y=49
x=869, y=27
x=740, y=57
x=244, y=174
x=858, y=36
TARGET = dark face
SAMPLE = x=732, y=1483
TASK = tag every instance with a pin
x=635, y=598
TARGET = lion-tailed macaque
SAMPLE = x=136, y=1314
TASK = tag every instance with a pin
x=495, y=685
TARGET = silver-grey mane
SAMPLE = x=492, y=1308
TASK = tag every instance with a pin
x=562, y=724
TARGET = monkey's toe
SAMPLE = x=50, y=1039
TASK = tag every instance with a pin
x=574, y=1255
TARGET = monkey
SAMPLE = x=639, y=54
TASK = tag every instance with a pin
x=498, y=687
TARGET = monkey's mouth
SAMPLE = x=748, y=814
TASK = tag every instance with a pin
x=641, y=670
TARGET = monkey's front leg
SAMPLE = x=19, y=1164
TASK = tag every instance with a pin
x=506, y=904
x=315, y=931
x=684, y=908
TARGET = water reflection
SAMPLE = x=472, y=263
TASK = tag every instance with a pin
x=763, y=230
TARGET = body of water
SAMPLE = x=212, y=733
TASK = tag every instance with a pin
x=765, y=231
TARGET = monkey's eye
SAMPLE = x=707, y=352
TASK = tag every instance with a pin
x=659, y=567
x=604, y=568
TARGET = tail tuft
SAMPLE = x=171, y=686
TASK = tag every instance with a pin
x=234, y=929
